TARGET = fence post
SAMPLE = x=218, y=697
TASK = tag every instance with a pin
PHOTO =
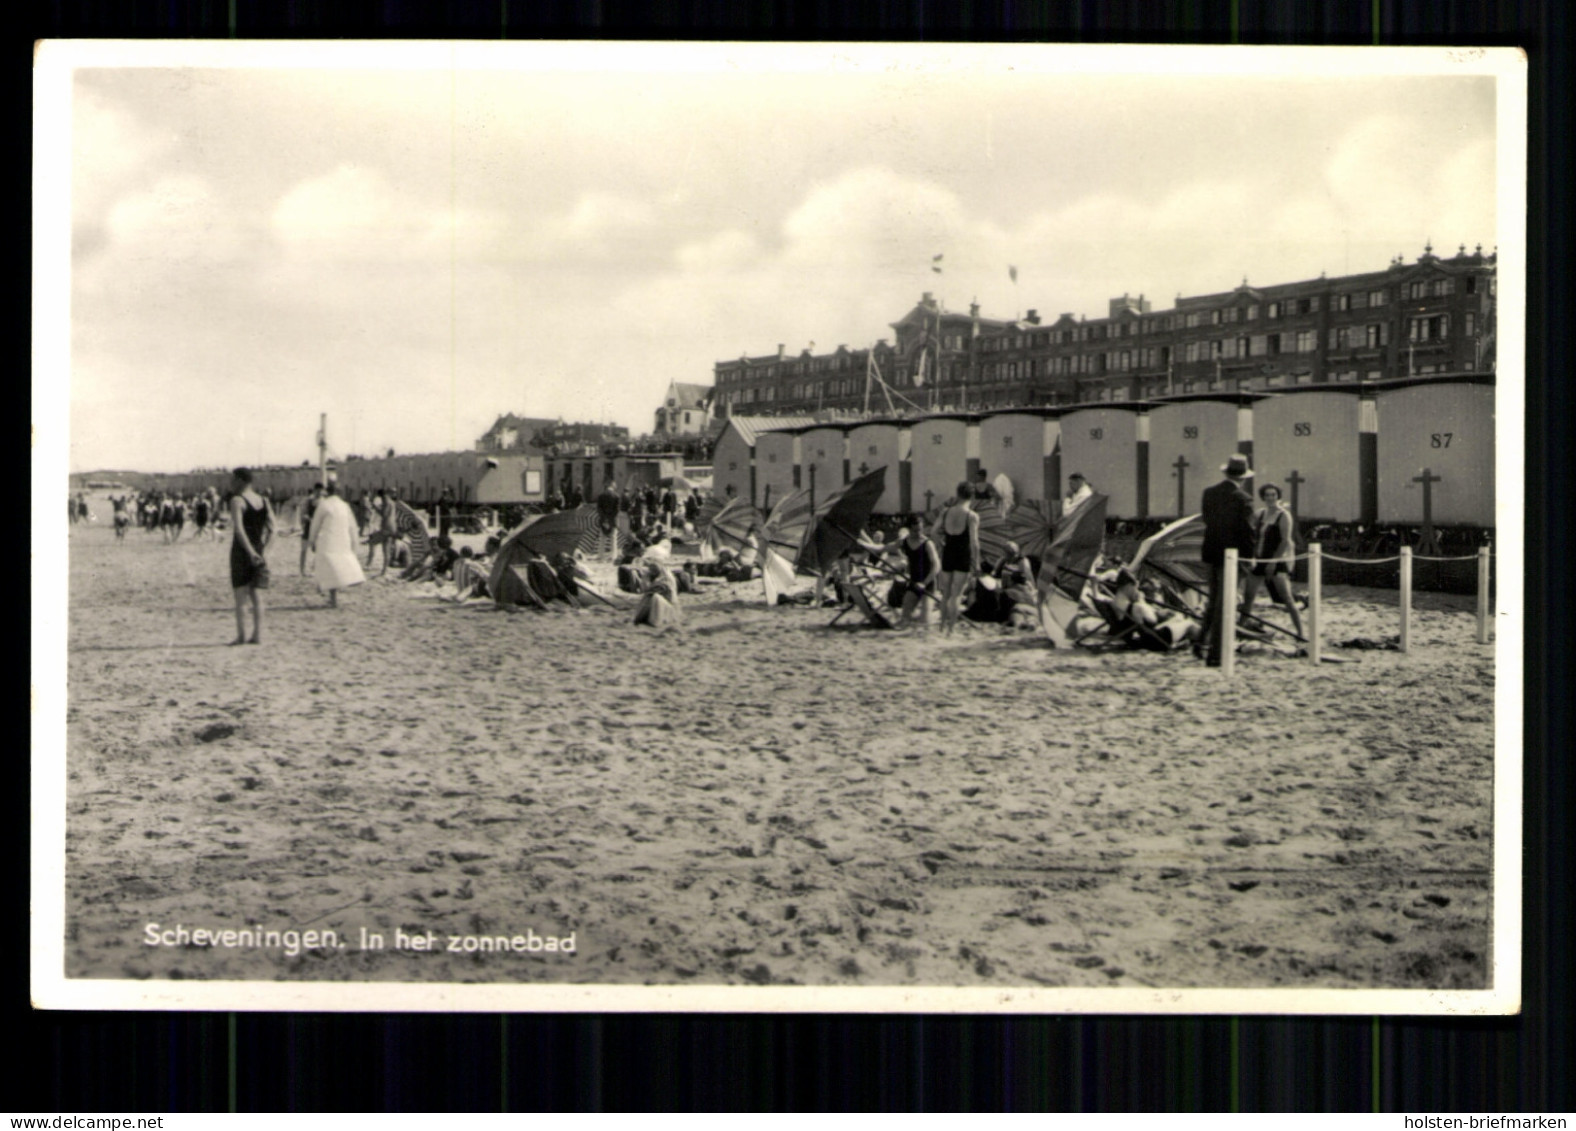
x=1482, y=609
x=1228, y=617
x=1406, y=599
x=1315, y=582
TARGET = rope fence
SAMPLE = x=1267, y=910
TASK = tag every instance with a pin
x=1315, y=557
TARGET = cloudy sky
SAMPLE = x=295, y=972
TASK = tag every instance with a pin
x=414, y=250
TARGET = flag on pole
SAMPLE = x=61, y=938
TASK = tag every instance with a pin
x=1012, y=272
x=935, y=263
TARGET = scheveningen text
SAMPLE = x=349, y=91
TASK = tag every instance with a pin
x=292, y=942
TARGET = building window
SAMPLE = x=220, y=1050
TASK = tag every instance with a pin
x=1302, y=378
x=1305, y=341
x=1253, y=311
x=1470, y=326
x=1274, y=310
x=1376, y=298
x=1376, y=335
x=1431, y=329
x=1274, y=344
x=1442, y=287
x=1471, y=287
x=1340, y=302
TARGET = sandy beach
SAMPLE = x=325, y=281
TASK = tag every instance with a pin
x=757, y=798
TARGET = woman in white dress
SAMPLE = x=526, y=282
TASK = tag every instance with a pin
x=333, y=540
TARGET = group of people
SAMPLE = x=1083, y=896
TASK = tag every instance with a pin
x=1265, y=539
x=932, y=560
x=158, y=512
x=633, y=519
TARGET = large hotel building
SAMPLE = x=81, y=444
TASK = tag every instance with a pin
x=1435, y=315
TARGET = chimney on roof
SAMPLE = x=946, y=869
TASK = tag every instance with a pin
x=1032, y=318
x=928, y=299
x=782, y=351
x=974, y=310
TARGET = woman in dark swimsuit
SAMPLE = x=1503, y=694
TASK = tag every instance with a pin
x=1275, y=527
x=960, y=554
x=253, y=524
x=924, y=565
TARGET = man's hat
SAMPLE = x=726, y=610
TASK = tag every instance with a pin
x=1237, y=468
x=1076, y=475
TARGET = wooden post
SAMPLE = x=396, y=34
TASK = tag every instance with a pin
x=1228, y=617
x=1482, y=608
x=1315, y=581
x=1406, y=599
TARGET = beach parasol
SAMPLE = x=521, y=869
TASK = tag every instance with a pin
x=787, y=524
x=731, y=526
x=776, y=574
x=562, y=532
x=1031, y=526
x=676, y=483
x=1175, y=552
x=1066, y=563
x=994, y=533
x=409, y=524
x=839, y=520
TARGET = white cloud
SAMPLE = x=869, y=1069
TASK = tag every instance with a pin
x=726, y=250
x=179, y=217
x=111, y=150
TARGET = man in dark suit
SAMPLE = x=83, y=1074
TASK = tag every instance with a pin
x=1228, y=525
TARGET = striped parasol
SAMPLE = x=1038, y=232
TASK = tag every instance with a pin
x=994, y=532
x=562, y=532
x=1175, y=553
x=1066, y=564
x=708, y=511
x=409, y=525
x=730, y=527
x=1032, y=527
x=787, y=523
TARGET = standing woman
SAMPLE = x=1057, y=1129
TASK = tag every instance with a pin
x=924, y=565
x=959, y=529
x=333, y=539
x=252, y=525
x=1276, y=551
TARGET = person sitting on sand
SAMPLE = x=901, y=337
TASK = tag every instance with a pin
x=1160, y=631
x=470, y=575
x=1007, y=585
x=436, y=565
x=252, y=522
x=659, y=602
x=570, y=574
